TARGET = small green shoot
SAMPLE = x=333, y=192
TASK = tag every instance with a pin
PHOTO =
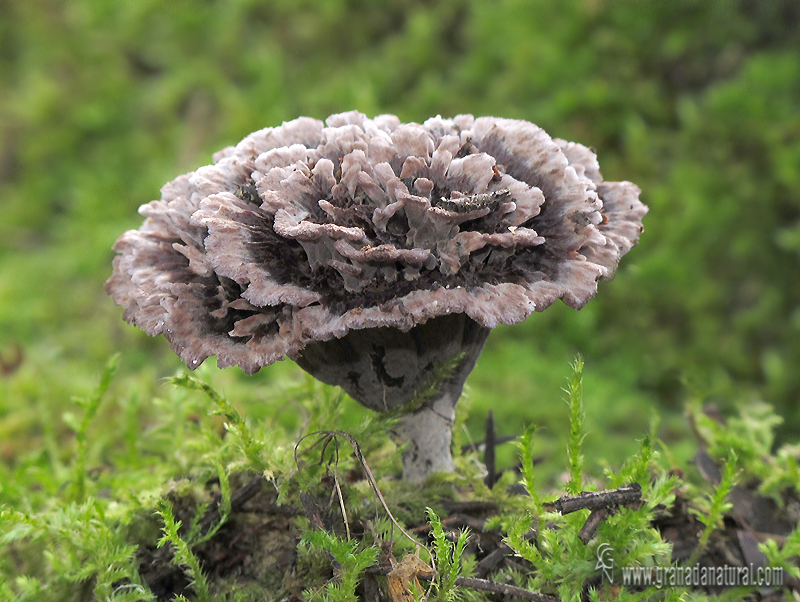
x=448, y=558
x=785, y=557
x=352, y=563
x=235, y=424
x=712, y=519
x=90, y=406
x=195, y=537
x=526, y=459
x=751, y=435
x=574, y=392
x=636, y=469
x=183, y=556
x=550, y=541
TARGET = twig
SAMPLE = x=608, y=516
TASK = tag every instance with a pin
x=492, y=559
x=601, y=503
x=457, y=507
x=501, y=588
x=313, y=511
x=246, y=492
x=483, y=585
x=238, y=499
x=338, y=489
x=502, y=552
x=488, y=454
x=594, y=500
x=590, y=526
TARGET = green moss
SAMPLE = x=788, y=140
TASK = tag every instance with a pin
x=102, y=103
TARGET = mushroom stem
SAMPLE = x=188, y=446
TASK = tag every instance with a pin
x=428, y=433
x=419, y=373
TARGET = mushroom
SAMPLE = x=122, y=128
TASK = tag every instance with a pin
x=376, y=254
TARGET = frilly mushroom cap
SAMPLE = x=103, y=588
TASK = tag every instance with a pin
x=303, y=233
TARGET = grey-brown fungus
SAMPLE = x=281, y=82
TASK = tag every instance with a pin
x=374, y=253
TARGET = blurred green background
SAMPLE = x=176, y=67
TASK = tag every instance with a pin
x=697, y=102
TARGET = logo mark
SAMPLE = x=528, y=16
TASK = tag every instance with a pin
x=605, y=561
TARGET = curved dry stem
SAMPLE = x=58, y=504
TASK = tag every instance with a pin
x=325, y=438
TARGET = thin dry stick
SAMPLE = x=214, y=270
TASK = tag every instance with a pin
x=367, y=472
x=594, y=500
x=502, y=588
x=483, y=585
x=590, y=526
x=488, y=454
x=338, y=489
x=492, y=559
x=238, y=499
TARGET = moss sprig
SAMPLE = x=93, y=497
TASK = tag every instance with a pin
x=350, y=561
x=183, y=555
